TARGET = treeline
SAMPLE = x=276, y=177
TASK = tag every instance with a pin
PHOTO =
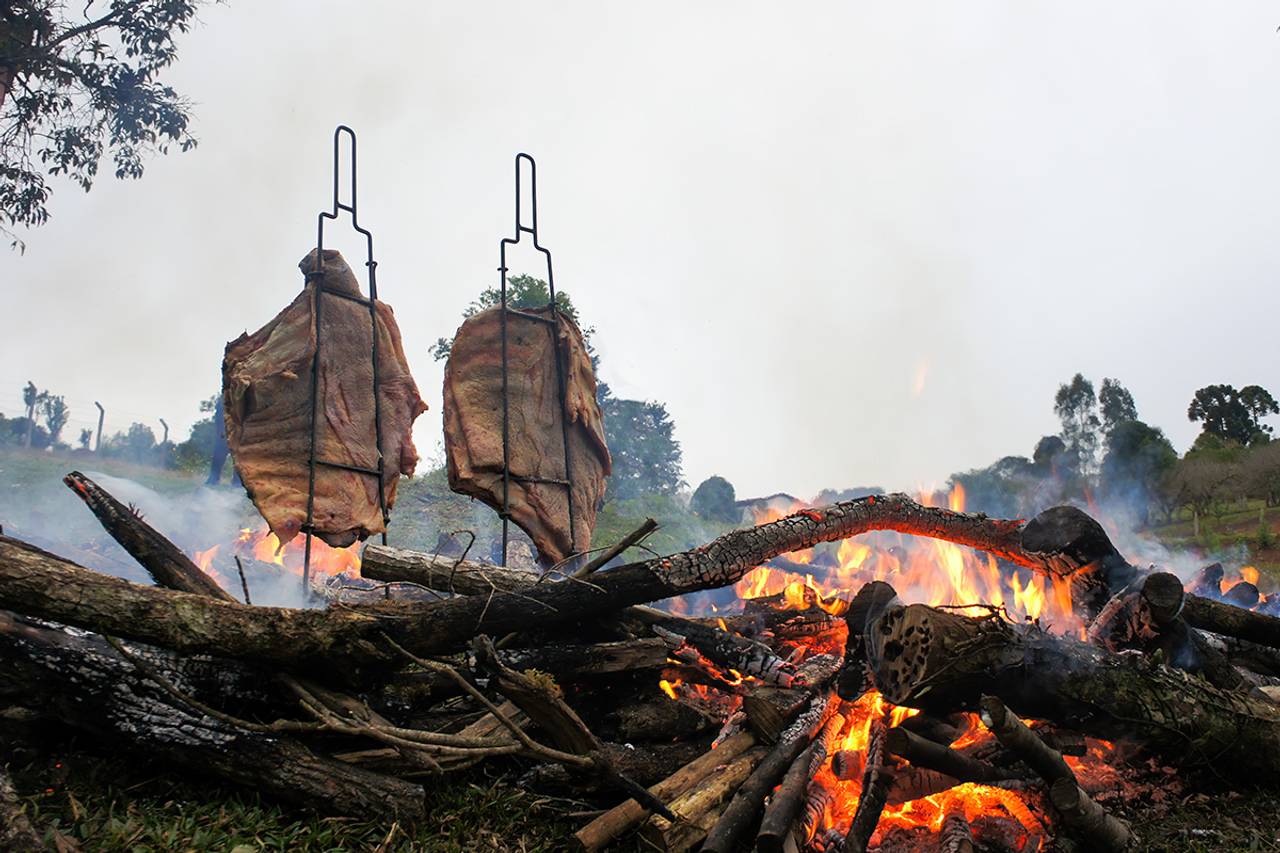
x=1106, y=454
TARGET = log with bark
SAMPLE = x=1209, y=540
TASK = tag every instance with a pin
x=940, y=660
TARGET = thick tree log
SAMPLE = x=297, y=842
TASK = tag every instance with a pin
x=163, y=560
x=935, y=659
x=627, y=815
x=740, y=815
x=1221, y=618
x=770, y=709
x=688, y=641
x=84, y=682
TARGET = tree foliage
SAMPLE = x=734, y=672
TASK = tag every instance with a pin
x=715, y=499
x=1116, y=404
x=647, y=459
x=1138, y=458
x=523, y=291
x=75, y=88
x=56, y=412
x=1076, y=406
x=1234, y=415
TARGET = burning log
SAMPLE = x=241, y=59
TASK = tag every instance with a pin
x=163, y=560
x=943, y=730
x=922, y=752
x=877, y=777
x=1231, y=621
x=929, y=658
x=1242, y=594
x=777, y=825
x=1014, y=735
x=1207, y=581
x=740, y=814
x=626, y=816
x=770, y=709
x=697, y=810
x=689, y=640
x=956, y=835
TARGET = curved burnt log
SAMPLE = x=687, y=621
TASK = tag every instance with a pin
x=940, y=660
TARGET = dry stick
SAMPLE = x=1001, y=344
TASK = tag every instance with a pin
x=923, y=752
x=876, y=779
x=244, y=584
x=1084, y=818
x=628, y=815
x=737, y=818
x=788, y=801
x=599, y=562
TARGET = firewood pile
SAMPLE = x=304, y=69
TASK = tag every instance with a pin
x=798, y=722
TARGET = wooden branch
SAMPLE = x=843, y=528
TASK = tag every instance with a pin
x=935, y=756
x=1221, y=618
x=1087, y=820
x=738, y=818
x=935, y=659
x=877, y=776
x=626, y=816
x=697, y=810
x=1014, y=736
x=786, y=804
x=163, y=560
x=747, y=657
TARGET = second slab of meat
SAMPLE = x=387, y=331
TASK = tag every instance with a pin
x=473, y=426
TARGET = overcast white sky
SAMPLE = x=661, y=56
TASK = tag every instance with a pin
x=845, y=243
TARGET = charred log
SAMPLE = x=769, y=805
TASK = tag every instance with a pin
x=933, y=659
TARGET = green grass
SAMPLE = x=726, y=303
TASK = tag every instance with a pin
x=114, y=805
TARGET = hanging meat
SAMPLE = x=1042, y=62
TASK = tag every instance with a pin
x=539, y=501
x=266, y=389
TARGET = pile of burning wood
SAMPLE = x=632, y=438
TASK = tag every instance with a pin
x=801, y=720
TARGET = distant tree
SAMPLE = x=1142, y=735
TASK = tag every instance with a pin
x=86, y=436
x=74, y=89
x=1116, y=404
x=1203, y=482
x=1262, y=472
x=714, y=500
x=641, y=438
x=30, y=397
x=56, y=412
x=1138, y=457
x=1000, y=488
x=196, y=450
x=138, y=444
x=1076, y=406
x=523, y=291
x=1233, y=415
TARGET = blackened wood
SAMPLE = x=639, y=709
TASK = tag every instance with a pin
x=777, y=825
x=1163, y=595
x=936, y=659
x=1242, y=594
x=1207, y=581
x=729, y=651
x=1222, y=618
x=877, y=777
x=742, y=812
x=163, y=560
x=447, y=574
x=85, y=683
x=923, y=752
x=943, y=730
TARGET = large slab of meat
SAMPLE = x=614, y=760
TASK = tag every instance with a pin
x=473, y=426
x=266, y=389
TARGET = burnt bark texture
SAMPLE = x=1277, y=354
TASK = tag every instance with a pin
x=87, y=684
x=938, y=660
